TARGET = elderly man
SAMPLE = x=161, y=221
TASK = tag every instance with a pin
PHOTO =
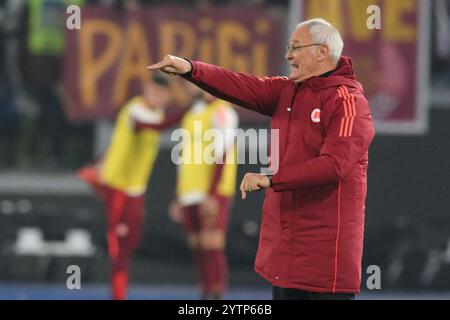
x=311, y=238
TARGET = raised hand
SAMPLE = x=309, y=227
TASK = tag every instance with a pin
x=172, y=65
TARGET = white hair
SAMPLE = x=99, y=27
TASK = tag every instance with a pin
x=324, y=33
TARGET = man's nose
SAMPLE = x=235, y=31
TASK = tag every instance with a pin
x=288, y=55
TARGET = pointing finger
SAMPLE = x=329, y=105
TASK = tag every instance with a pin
x=157, y=66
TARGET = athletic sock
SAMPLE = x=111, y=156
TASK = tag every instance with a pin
x=215, y=273
x=119, y=284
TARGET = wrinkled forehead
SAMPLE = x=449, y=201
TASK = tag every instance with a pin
x=301, y=36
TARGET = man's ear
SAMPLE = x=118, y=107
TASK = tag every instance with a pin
x=323, y=53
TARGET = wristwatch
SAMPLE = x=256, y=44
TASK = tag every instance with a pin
x=270, y=179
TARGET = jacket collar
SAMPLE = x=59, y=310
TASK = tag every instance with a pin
x=343, y=75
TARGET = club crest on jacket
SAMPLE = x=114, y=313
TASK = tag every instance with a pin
x=315, y=115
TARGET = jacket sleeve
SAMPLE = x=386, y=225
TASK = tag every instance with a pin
x=347, y=140
x=248, y=91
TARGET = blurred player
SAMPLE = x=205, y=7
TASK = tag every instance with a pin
x=204, y=191
x=122, y=175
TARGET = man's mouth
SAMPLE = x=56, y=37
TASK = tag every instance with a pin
x=294, y=66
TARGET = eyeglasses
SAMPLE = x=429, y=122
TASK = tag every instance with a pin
x=292, y=49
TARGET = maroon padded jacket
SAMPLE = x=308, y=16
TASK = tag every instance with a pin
x=312, y=228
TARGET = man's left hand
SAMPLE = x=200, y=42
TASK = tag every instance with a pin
x=253, y=182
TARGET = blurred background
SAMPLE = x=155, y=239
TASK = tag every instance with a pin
x=60, y=89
